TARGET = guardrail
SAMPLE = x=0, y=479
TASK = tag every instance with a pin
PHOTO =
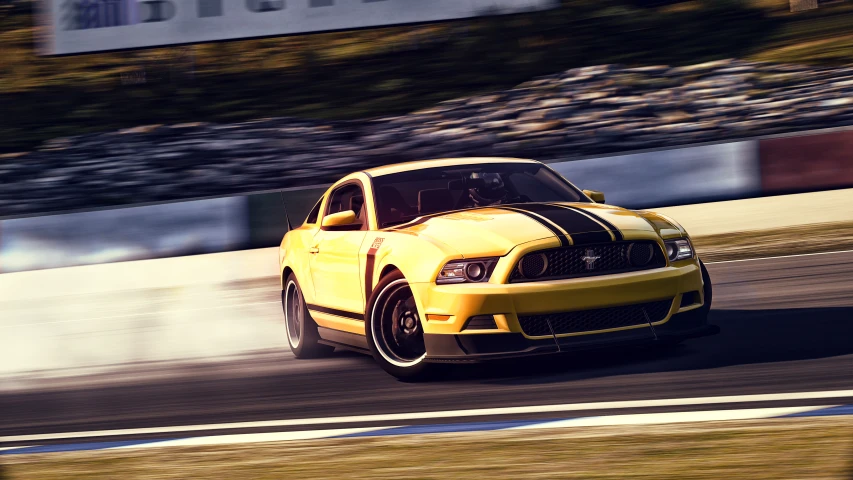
x=808, y=161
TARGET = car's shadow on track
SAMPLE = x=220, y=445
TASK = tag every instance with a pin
x=747, y=337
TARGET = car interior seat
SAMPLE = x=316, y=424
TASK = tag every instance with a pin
x=434, y=200
x=356, y=204
x=393, y=205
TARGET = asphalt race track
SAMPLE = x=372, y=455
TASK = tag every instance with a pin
x=787, y=326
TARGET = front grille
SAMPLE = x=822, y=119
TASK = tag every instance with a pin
x=588, y=261
x=596, y=319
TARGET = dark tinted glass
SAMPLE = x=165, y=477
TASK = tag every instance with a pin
x=347, y=197
x=315, y=212
x=404, y=196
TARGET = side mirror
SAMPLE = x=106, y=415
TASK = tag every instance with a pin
x=345, y=220
x=596, y=196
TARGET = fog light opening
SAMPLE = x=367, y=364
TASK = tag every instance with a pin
x=481, y=322
x=533, y=266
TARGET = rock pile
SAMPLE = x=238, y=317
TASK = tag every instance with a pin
x=581, y=112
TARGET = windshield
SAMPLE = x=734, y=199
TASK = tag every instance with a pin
x=402, y=197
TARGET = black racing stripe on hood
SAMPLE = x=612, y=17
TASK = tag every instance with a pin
x=564, y=242
x=582, y=229
x=591, y=213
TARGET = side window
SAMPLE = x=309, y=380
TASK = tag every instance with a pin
x=348, y=197
x=315, y=212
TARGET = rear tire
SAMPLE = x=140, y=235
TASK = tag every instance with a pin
x=394, y=330
x=301, y=329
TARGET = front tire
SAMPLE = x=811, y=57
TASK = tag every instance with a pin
x=302, y=333
x=702, y=312
x=708, y=291
x=394, y=330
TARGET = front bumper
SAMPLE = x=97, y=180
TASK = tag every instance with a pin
x=448, y=307
x=443, y=348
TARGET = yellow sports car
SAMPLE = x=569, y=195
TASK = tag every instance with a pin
x=473, y=259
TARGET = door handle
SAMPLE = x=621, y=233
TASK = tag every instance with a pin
x=314, y=250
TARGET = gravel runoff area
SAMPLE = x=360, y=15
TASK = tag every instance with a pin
x=816, y=449
x=587, y=111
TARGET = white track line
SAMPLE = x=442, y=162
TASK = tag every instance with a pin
x=253, y=438
x=781, y=256
x=611, y=420
x=570, y=407
x=673, y=417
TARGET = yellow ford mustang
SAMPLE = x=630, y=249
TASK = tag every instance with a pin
x=481, y=258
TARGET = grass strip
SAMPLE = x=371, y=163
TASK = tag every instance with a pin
x=813, y=448
x=813, y=238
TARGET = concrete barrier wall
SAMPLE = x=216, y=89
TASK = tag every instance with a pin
x=203, y=306
x=683, y=175
x=151, y=231
x=687, y=175
x=68, y=321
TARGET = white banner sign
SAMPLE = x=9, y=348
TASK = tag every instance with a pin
x=83, y=26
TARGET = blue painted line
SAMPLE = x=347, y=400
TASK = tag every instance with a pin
x=825, y=412
x=76, y=447
x=404, y=430
x=446, y=428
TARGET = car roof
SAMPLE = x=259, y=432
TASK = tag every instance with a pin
x=441, y=162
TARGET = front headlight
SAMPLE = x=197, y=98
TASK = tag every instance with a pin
x=467, y=271
x=680, y=249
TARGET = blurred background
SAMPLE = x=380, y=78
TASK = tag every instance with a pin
x=158, y=151
x=595, y=88
x=147, y=169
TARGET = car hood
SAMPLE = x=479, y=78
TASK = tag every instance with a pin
x=494, y=231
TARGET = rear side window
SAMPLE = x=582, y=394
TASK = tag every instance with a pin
x=315, y=212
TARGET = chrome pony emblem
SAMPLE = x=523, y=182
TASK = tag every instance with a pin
x=590, y=258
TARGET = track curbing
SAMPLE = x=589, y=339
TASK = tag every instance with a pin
x=469, y=427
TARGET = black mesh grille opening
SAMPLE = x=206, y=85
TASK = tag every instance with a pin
x=689, y=298
x=640, y=254
x=590, y=260
x=596, y=319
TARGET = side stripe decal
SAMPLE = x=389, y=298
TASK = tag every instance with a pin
x=369, y=266
x=564, y=240
x=581, y=228
x=336, y=312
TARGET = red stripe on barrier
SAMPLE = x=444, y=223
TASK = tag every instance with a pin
x=811, y=162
